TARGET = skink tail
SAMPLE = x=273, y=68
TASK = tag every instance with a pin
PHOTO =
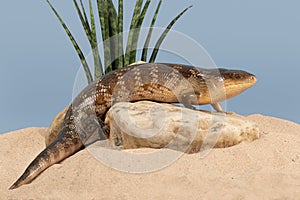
x=60, y=149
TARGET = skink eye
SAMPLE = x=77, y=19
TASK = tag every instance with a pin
x=237, y=76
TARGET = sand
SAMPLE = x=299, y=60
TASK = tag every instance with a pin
x=267, y=168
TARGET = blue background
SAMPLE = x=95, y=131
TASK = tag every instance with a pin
x=38, y=64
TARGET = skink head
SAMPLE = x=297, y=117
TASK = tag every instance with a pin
x=217, y=85
x=236, y=81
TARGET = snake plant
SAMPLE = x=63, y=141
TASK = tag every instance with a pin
x=111, y=23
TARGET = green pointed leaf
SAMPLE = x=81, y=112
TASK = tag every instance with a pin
x=136, y=32
x=98, y=71
x=76, y=46
x=134, y=19
x=113, y=32
x=93, y=27
x=113, y=20
x=111, y=24
x=84, y=21
x=164, y=34
x=91, y=35
x=104, y=24
x=120, y=35
x=84, y=14
x=147, y=42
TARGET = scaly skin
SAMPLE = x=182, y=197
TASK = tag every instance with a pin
x=171, y=83
x=55, y=126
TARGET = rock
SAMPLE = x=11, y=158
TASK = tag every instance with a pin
x=160, y=125
x=137, y=63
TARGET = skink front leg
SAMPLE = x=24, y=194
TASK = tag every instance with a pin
x=188, y=100
x=217, y=107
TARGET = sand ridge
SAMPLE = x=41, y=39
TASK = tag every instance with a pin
x=267, y=168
